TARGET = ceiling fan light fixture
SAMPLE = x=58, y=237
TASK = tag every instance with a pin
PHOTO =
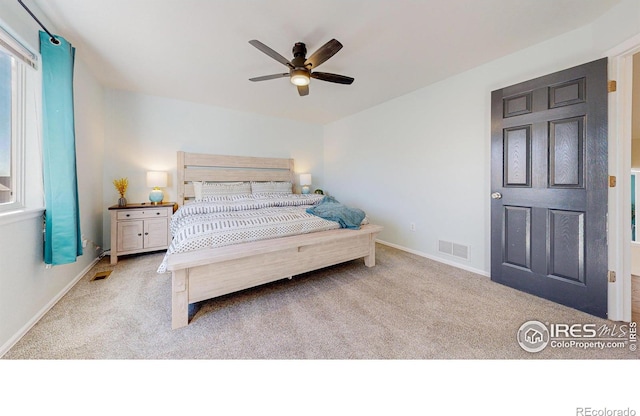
x=299, y=77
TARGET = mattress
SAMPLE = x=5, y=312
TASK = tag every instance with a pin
x=226, y=220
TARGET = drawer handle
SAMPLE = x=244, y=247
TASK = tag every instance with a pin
x=128, y=215
x=157, y=213
x=146, y=233
x=139, y=234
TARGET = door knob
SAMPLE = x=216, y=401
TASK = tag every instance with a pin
x=496, y=195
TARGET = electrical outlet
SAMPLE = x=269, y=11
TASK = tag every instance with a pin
x=412, y=226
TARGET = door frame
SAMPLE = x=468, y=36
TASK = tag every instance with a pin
x=620, y=110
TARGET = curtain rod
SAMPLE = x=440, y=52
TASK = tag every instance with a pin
x=53, y=38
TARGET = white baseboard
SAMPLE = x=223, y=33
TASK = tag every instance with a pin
x=434, y=258
x=23, y=331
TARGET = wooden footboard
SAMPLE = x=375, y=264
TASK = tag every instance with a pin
x=205, y=274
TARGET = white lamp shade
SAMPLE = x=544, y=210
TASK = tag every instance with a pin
x=305, y=179
x=156, y=179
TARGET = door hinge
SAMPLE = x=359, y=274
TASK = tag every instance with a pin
x=612, y=276
x=612, y=86
x=612, y=181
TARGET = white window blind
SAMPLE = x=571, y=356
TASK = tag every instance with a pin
x=15, y=48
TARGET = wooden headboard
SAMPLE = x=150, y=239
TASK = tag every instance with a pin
x=194, y=167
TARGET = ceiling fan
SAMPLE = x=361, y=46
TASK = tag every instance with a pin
x=301, y=68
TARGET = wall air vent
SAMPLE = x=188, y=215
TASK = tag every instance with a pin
x=445, y=247
x=453, y=249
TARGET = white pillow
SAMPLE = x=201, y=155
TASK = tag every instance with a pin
x=203, y=190
x=271, y=187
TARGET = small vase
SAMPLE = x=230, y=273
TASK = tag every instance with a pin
x=122, y=201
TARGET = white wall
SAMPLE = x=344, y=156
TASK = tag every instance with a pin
x=27, y=288
x=89, y=108
x=145, y=132
x=425, y=157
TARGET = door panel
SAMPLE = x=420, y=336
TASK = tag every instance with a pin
x=566, y=251
x=549, y=180
x=517, y=160
x=155, y=233
x=517, y=236
x=130, y=233
x=566, y=153
x=568, y=93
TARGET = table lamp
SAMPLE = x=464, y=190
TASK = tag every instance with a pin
x=305, y=181
x=156, y=180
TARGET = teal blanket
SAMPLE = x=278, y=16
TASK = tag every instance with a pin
x=330, y=209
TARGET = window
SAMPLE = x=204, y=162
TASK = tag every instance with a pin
x=14, y=61
x=7, y=175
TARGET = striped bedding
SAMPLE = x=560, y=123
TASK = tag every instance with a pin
x=231, y=219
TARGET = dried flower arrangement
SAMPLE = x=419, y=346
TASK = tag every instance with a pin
x=121, y=186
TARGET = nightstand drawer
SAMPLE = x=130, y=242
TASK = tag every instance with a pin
x=132, y=214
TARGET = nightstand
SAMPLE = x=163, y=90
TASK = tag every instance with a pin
x=139, y=228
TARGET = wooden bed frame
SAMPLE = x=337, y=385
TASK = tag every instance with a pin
x=208, y=273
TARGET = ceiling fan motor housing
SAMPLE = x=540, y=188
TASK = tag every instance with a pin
x=299, y=50
x=299, y=55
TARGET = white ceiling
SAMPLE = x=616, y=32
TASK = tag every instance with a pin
x=198, y=50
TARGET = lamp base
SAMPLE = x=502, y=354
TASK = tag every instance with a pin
x=156, y=196
x=305, y=189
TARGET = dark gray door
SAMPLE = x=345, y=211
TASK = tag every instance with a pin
x=549, y=187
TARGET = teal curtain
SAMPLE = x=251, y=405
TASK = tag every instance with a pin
x=63, y=241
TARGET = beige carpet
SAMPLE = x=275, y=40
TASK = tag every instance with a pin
x=407, y=307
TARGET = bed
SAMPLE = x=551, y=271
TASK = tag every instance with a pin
x=208, y=272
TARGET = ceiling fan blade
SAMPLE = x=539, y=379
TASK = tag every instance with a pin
x=303, y=90
x=267, y=77
x=267, y=50
x=338, y=79
x=325, y=52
